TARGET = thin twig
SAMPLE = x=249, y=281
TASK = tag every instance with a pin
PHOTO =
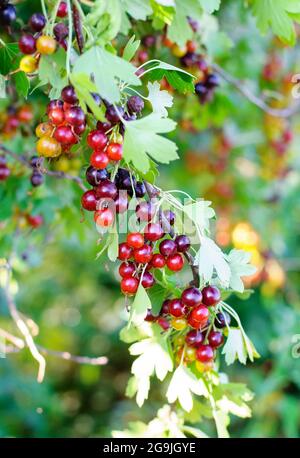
x=53, y=173
x=23, y=328
x=281, y=113
x=19, y=344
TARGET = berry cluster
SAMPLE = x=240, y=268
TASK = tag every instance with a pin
x=8, y=13
x=66, y=123
x=200, y=328
x=33, y=43
x=4, y=170
x=106, y=142
x=13, y=118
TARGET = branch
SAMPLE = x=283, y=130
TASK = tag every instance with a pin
x=53, y=173
x=23, y=328
x=19, y=344
x=194, y=269
x=281, y=113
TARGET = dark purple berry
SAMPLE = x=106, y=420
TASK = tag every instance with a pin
x=37, y=179
x=68, y=95
x=222, y=318
x=212, y=80
x=112, y=115
x=95, y=176
x=37, y=22
x=8, y=14
x=61, y=31
x=183, y=243
x=135, y=104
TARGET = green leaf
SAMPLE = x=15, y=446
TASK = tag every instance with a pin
x=52, y=71
x=238, y=346
x=84, y=88
x=107, y=71
x=154, y=357
x=200, y=213
x=182, y=385
x=113, y=247
x=210, y=260
x=180, y=30
x=22, y=83
x=275, y=14
x=232, y=398
x=131, y=48
x=138, y=9
x=209, y=6
x=179, y=79
x=139, y=307
x=159, y=99
x=9, y=57
x=240, y=267
x=141, y=139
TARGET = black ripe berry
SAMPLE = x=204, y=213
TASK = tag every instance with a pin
x=135, y=104
x=37, y=179
x=95, y=176
x=37, y=22
x=8, y=14
x=222, y=319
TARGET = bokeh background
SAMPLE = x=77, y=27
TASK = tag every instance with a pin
x=243, y=160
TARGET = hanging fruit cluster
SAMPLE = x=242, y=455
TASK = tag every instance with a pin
x=64, y=127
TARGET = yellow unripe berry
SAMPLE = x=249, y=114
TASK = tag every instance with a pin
x=178, y=51
x=204, y=367
x=42, y=129
x=190, y=354
x=46, y=44
x=48, y=147
x=179, y=341
x=28, y=64
x=179, y=323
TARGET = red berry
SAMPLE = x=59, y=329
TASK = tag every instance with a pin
x=145, y=211
x=79, y=129
x=175, y=262
x=27, y=44
x=129, y=285
x=135, y=240
x=114, y=151
x=194, y=338
x=35, y=220
x=4, y=173
x=158, y=261
x=143, y=255
x=121, y=202
x=215, y=339
x=177, y=308
x=167, y=247
x=89, y=200
x=56, y=115
x=126, y=269
x=106, y=190
x=183, y=243
x=62, y=10
x=211, y=295
x=148, y=280
x=103, y=126
x=191, y=297
x=150, y=317
x=205, y=353
x=200, y=314
x=195, y=324
x=125, y=252
x=163, y=323
x=97, y=139
x=64, y=135
x=75, y=116
x=99, y=160
x=105, y=217
x=153, y=232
